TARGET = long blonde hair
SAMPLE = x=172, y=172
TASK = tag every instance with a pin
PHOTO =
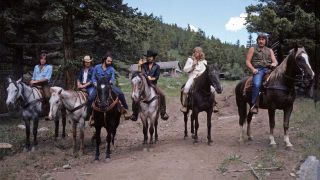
x=198, y=49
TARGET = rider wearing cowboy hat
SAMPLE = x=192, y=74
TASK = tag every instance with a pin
x=84, y=82
x=151, y=70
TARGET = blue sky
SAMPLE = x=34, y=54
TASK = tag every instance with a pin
x=221, y=18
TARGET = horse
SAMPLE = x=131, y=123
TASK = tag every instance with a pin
x=278, y=93
x=75, y=104
x=29, y=101
x=200, y=98
x=106, y=114
x=145, y=95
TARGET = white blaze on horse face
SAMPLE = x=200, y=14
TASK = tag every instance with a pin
x=13, y=93
x=306, y=58
x=135, y=88
x=103, y=86
x=54, y=104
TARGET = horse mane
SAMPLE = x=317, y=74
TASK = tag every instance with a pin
x=278, y=73
x=138, y=73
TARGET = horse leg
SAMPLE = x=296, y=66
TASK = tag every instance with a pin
x=286, y=119
x=35, y=132
x=109, y=134
x=82, y=125
x=185, y=125
x=98, y=141
x=151, y=130
x=156, y=131
x=209, y=114
x=192, y=124
x=145, y=130
x=27, y=123
x=196, y=128
x=64, y=121
x=74, y=135
x=242, y=111
x=271, y=113
x=249, y=118
x=56, y=127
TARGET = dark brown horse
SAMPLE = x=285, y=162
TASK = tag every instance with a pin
x=106, y=114
x=200, y=98
x=278, y=93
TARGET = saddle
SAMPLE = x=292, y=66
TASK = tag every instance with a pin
x=248, y=84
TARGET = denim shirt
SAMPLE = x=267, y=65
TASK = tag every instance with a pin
x=45, y=73
x=89, y=78
x=98, y=73
x=153, y=72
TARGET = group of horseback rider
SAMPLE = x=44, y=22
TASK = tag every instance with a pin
x=259, y=60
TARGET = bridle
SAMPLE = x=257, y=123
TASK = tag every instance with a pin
x=110, y=107
x=142, y=92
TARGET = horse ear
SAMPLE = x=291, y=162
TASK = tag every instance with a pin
x=60, y=91
x=9, y=79
x=19, y=80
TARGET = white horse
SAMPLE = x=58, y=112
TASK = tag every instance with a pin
x=29, y=101
x=148, y=100
x=75, y=104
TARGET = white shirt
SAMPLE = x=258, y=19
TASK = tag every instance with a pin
x=85, y=76
x=195, y=71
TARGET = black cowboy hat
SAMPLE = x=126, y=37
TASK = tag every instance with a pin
x=151, y=53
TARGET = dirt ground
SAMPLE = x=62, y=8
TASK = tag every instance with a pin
x=173, y=157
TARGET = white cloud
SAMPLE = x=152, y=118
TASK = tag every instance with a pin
x=193, y=28
x=236, y=23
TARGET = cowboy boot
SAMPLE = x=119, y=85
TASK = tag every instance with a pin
x=254, y=109
x=184, y=102
x=125, y=113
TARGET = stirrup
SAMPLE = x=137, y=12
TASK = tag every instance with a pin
x=254, y=109
x=165, y=116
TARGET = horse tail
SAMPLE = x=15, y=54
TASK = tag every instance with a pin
x=241, y=102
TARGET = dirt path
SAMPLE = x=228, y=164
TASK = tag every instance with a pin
x=171, y=158
x=175, y=158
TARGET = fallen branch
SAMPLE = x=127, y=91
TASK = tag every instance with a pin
x=243, y=170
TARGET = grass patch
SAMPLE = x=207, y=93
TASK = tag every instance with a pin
x=224, y=166
x=306, y=118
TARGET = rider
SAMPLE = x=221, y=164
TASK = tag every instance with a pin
x=41, y=77
x=84, y=79
x=194, y=66
x=259, y=59
x=105, y=69
x=151, y=70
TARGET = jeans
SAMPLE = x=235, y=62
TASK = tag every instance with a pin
x=256, y=83
x=120, y=94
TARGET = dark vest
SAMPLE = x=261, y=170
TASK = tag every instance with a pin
x=261, y=57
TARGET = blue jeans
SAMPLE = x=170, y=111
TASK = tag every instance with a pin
x=120, y=94
x=256, y=83
x=91, y=90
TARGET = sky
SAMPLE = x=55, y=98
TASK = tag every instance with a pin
x=224, y=19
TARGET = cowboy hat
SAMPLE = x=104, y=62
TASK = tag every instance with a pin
x=87, y=58
x=151, y=53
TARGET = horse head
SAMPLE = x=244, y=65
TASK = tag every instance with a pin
x=55, y=101
x=138, y=83
x=302, y=62
x=214, y=72
x=13, y=91
x=103, y=92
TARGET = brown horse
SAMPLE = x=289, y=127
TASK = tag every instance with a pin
x=201, y=99
x=278, y=93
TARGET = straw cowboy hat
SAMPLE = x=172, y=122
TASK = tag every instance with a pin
x=87, y=58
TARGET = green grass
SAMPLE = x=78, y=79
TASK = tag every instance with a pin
x=306, y=117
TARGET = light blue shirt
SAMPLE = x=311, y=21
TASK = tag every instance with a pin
x=98, y=73
x=45, y=73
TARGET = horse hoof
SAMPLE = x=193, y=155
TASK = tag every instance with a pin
x=33, y=149
x=250, y=138
x=289, y=148
x=273, y=146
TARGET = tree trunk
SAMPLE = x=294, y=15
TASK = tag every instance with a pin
x=68, y=43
